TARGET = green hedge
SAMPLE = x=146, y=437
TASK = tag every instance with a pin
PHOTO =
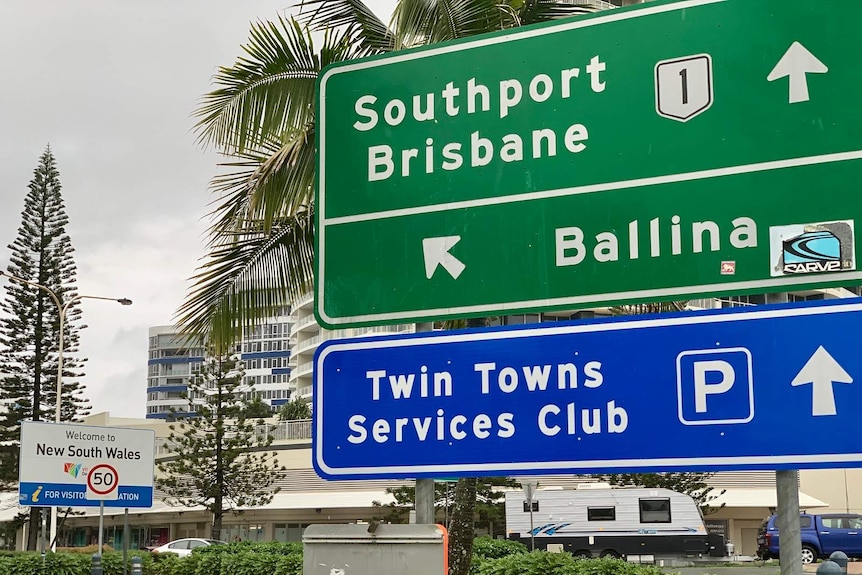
x=32, y=563
x=544, y=563
x=245, y=558
x=490, y=557
x=487, y=549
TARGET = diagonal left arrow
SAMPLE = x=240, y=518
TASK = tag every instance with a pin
x=821, y=371
x=436, y=253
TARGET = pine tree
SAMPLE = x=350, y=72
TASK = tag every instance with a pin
x=29, y=329
x=222, y=462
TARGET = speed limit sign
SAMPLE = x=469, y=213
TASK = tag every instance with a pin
x=102, y=482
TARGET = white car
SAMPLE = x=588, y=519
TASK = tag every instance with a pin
x=183, y=547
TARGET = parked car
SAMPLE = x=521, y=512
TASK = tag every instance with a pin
x=821, y=536
x=183, y=547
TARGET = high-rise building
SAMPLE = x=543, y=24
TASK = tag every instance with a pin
x=174, y=358
x=306, y=335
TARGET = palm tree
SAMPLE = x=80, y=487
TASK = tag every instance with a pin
x=261, y=117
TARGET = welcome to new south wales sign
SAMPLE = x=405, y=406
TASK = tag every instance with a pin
x=667, y=151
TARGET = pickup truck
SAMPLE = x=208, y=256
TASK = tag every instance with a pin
x=821, y=535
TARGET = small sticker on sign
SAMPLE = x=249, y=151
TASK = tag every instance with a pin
x=728, y=268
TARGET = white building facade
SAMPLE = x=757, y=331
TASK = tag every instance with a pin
x=174, y=358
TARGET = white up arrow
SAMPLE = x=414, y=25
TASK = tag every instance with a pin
x=821, y=370
x=436, y=252
x=796, y=63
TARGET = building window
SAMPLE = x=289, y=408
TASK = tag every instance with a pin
x=601, y=513
x=655, y=510
x=285, y=532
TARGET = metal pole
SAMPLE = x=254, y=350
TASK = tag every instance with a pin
x=424, y=487
x=529, y=489
x=790, y=537
x=787, y=494
x=58, y=409
x=425, y=501
x=125, y=541
x=42, y=524
x=101, y=525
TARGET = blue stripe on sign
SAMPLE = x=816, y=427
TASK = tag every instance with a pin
x=75, y=495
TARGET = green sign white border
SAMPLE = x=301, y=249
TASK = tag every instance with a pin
x=682, y=292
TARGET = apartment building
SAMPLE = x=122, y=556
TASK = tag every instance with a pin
x=174, y=358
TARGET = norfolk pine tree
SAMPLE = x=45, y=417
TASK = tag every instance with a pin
x=220, y=461
x=29, y=329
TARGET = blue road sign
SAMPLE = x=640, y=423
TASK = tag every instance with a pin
x=770, y=387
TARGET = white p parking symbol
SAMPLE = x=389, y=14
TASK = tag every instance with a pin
x=715, y=386
x=702, y=386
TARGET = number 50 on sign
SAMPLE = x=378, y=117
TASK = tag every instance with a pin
x=102, y=482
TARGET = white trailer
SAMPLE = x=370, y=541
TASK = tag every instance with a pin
x=640, y=524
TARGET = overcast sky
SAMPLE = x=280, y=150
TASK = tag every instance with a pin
x=110, y=85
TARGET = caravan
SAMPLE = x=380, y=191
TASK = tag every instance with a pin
x=639, y=524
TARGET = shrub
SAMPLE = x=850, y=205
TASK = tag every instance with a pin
x=31, y=563
x=241, y=558
x=488, y=548
x=544, y=563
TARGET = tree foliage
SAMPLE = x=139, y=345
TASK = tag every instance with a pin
x=222, y=462
x=42, y=254
x=490, y=512
x=257, y=408
x=296, y=408
x=261, y=117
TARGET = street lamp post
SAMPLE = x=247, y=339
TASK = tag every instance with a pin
x=62, y=308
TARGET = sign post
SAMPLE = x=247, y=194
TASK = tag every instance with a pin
x=690, y=391
x=68, y=465
x=668, y=151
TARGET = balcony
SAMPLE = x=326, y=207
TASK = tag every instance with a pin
x=305, y=323
x=304, y=300
x=301, y=370
x=281, y=431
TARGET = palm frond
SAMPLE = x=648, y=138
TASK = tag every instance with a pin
x=265, y=93
x=248, y=277
x=265, y=188
x=419, y=22
x=360, y=23
x=534, y=11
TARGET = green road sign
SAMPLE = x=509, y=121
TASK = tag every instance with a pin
x=672, y=150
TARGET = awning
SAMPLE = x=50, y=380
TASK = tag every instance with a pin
x=736, y=497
